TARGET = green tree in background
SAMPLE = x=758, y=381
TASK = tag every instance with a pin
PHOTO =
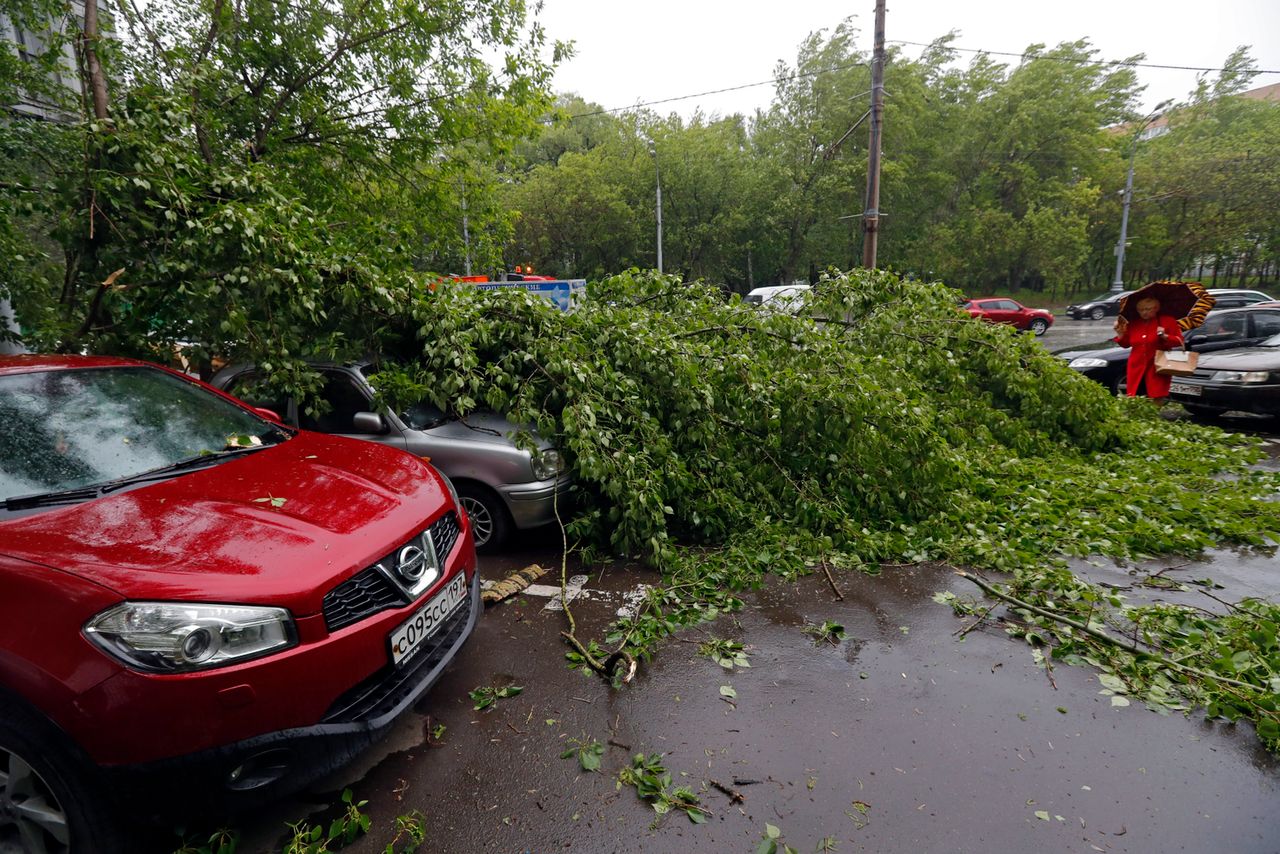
x=1211, y=185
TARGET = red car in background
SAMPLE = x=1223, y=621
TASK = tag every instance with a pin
x=200, y=607
x=1012, y=312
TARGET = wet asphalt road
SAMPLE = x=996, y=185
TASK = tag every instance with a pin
x=900, y=738
x=1068, y=334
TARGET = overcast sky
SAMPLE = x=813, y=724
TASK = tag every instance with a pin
x=632, y=52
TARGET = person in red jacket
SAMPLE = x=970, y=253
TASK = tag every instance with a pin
x=1152, y=331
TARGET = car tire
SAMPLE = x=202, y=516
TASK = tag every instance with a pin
x=1098, y=313
x=47, y=802
x=1038, y=326
x=490, y=523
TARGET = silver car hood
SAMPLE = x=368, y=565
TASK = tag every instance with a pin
x=483, y=427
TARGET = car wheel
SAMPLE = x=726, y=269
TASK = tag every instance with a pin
x=1098, y=313
x=490, y=524
x=1038, y=327
x=46, y=805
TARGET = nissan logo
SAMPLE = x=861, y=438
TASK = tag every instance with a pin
x=411, y=563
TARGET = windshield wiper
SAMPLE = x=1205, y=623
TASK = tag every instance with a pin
x=88, y=493
x=198, y=461
x=49, y=499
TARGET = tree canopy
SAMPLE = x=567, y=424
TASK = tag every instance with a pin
x=253, y=170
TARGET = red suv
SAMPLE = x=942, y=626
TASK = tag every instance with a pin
x=1004, y=310
x=199, y=605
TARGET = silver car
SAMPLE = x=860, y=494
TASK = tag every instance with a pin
x=502, y=487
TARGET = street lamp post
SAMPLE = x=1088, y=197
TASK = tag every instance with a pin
x=1117, y=284
x=657, y=171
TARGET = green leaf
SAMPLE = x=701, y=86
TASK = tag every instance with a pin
x=1111, y=682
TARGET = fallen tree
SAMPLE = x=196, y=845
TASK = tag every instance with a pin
x=721, y=442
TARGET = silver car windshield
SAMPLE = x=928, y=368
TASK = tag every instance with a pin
x=67, y=429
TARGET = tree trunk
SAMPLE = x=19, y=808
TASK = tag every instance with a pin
x=97, y=82
x=83, y=258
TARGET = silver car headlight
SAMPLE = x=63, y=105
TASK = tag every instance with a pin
x=175, y=637
x=1087, y=362
x=1240, y=376
x=547, y=463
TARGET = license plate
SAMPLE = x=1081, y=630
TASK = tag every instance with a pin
x=1189, y=389
x=409, y=637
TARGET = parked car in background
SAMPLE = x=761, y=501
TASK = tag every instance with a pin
x=779, y=297
x=1105, y=305
x=1242, y=380
x=502, y=487
x=201, y=608
x=1012, y=312
x=1222, y=330
x=1224, y=298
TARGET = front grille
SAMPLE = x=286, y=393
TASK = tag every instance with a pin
x=382, y=692
x=361, y=596
x=444, y=533
x=370, y=592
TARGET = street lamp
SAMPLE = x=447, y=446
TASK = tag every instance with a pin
x=657, y=171
x=1117, y=284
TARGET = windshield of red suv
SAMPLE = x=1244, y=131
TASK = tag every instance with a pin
x=67, y=429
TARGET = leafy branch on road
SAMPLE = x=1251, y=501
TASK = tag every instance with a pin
x=771, y=443
x=652, y=782
x=1172, y=657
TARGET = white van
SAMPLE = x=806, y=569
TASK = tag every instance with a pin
x=779, y=297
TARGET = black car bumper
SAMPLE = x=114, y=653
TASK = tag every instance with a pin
x=248, y=773
x=1260, y=398
x=1109, y=375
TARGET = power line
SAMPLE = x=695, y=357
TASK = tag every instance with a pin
x=769, y=82
x=1100, y=63
x=1095, y=62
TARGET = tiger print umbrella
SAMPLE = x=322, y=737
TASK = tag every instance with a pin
x=1189, y=302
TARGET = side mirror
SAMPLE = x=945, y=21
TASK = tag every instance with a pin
x=368, y=422
x=269, y=414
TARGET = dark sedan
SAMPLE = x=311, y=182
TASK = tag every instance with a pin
x=1107, y=305
x=1223, y=330
x=1243, y=380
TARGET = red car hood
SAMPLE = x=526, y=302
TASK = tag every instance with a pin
x=207, y=535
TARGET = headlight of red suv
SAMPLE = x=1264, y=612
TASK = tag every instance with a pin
x=175, y=637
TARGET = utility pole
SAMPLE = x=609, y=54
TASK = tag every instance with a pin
x=657, y=171
x=466, y=232
x=871, y=216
